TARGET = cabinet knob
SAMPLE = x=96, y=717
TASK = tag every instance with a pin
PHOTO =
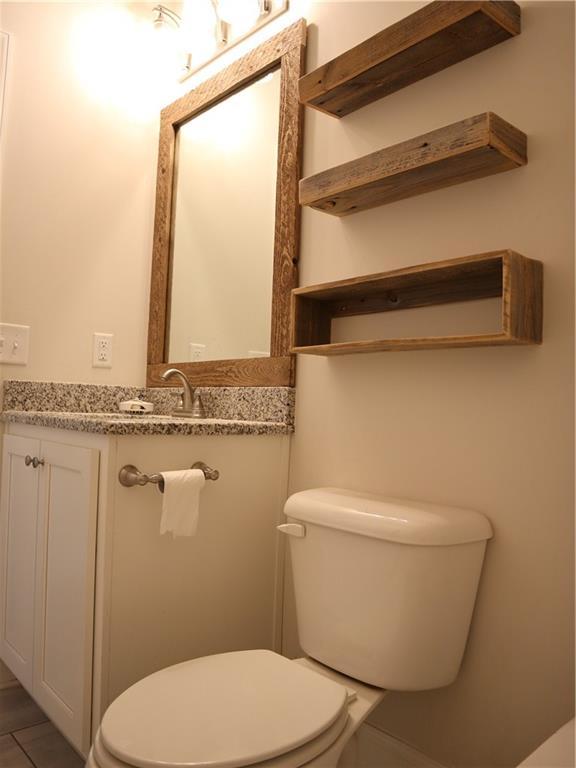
x=36, y=462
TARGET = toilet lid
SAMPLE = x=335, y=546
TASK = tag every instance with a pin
x=222, y=711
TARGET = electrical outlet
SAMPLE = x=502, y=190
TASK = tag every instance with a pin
x=196, y=352
x=102, y=350
x=14, y=343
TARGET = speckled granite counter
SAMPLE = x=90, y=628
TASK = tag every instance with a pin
x=111, y=424
x=94, y=408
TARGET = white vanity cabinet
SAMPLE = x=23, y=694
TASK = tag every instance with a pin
x=47, y=539
x=18, y=531
x=94, y=598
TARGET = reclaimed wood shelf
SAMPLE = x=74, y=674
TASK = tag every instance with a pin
x=515, y=278
x=429, y=40
x=470, y=149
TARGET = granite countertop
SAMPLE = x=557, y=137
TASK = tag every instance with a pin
x=118, y=424
x=95, y=408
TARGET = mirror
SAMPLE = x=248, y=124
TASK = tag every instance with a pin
x=223, y=231
x=227, y=223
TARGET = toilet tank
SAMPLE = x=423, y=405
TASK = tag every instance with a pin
x=384, y=588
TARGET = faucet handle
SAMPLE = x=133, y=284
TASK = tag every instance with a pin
x=198, y=410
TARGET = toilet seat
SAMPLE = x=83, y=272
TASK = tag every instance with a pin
x=100, y=758
x=250, y=708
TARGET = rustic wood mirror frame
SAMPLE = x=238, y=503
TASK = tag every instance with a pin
x=284, y=51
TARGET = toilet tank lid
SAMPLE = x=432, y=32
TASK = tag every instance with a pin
x=398, y=520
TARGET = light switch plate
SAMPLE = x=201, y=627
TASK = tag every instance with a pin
x=14, y=344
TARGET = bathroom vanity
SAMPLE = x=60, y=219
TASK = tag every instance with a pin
x=93, y=597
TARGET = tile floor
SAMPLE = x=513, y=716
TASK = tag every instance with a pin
x=27, y=738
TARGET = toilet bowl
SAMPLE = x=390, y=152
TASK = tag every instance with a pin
x=384, y=591
x=249, y=708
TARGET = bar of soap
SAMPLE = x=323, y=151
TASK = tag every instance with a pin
x=136, y=406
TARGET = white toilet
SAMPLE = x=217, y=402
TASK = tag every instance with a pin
x=385, y=590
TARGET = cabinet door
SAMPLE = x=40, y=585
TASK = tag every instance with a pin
x=65, y=588
x=18, y=531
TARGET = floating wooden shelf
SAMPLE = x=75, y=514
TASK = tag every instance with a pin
x=429, y=40
x=515, y=278
x=470, y=149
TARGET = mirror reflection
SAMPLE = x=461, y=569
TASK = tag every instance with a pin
x=223, y=227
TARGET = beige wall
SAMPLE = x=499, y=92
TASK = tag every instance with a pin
x=486, y=428
x=489, y=429
x=5, y=675
x=4, y=50
x=79, y=168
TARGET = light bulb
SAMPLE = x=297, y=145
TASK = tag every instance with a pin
x=198, y=25
x=239, y=13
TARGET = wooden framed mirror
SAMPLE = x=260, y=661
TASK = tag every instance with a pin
x=257, y=97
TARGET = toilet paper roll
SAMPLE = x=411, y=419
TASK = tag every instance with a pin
x=181, y=503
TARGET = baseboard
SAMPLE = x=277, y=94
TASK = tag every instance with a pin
x=377, y=749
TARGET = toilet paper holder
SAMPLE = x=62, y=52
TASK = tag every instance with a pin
x=129, y=475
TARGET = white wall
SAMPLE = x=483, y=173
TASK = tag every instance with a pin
x=488, y=428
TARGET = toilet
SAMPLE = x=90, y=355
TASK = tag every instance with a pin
x=385, y=590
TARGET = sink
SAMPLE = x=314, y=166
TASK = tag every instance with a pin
x=144, y=416
x=119, y=416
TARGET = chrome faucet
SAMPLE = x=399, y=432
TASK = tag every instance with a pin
x=191, y=404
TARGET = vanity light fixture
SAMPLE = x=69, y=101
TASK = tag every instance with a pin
x=222, y=30
x=227, y=23
x=164, y=17
x=235, y=20
x=244, y=13
x=168, y=41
